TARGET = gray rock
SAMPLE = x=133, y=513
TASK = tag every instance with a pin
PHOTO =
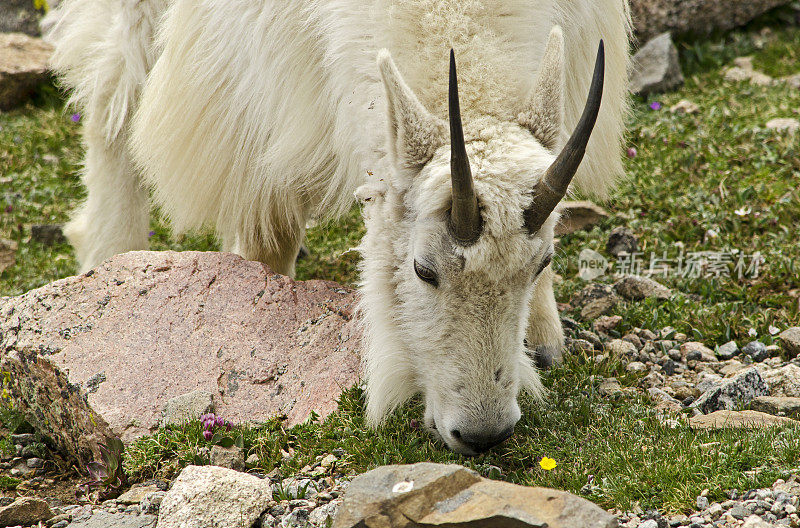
x=186, y=407
x=728, y=351
x=19, y=16
x=578, y=215
x=784, y=381
x=450, y=495
x=136, y=494
x=732, y=393
x=695, y=17
x=23, y=67
x=231, y=457
x=696, y=351
x=621, y=240
x=213, y=496
x=48, y=234
x=656, y=67
x=756, y=350
x=790, y=341
x=702, y=502
x=638, y=288
x=25, y=511
x=151, y=502
x=104, y=519
x=649, y=523
x=34, y=463
x=595, y=300
x=777, y=405
x=739, y=512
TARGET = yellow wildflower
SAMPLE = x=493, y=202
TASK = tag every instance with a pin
x=547, y=464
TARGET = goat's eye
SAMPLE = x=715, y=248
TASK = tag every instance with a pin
x=545, y=262
x=426, y=274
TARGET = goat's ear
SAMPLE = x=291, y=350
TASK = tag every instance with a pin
x=414, y=133
x=543, y=111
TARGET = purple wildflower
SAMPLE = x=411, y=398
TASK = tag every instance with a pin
x=9, y=208
x=75, y=118
x=208, y=435
x=151, y=234
x=655, y=105
x=632, y=152
x=220, y=421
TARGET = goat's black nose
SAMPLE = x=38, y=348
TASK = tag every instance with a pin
x=482, y=442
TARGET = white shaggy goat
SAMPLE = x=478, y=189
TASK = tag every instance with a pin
x=254, y=116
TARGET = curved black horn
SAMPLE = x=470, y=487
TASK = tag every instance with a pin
x=465, y=220
x=553, y=186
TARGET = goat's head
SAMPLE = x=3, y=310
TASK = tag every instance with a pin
x=456, y=240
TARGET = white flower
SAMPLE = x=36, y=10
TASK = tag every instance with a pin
x=744, y=211
x=752, y=332
x=773, y=330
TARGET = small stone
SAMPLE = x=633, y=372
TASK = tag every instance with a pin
x=34, y=463
x=756, y=350
x=577, y=215
x=230, y=457
x=754, y=521
x=649, y=523
x=636, y=366
x=621, y=349
x=790, y=341
x=151, y=502
x=696, y=351
x=23, y=67
x=48, y=234
x=252, y=460
x=621, y=240
x=25, y=511
x=610, y=387
x=784, y=124
x=728, y=351
x=136, y=494
x=638, y=288
x=604, y=324
x=684, y=106
x=702, y=502
x=739, y=512
x=328, y=461
x=656, y=67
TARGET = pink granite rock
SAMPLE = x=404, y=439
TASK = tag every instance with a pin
x=145, y=327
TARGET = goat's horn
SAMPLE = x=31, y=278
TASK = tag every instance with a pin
x=553, y=186
x=465, y=220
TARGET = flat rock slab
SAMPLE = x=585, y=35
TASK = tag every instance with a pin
x=145, y=327
x=450, y=495
x=738, y=420
x=103, y=519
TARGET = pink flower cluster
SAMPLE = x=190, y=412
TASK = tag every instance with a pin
x=210, y=421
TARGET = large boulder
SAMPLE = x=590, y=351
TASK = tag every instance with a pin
x=429, y=494
x=208, y=496
x=698, y=17
x=146, y=327
x=23, y=67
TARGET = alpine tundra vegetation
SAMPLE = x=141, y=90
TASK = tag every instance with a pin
x=255, y=117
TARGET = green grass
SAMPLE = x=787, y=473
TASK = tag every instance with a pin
x=633, y=458
x=690, y=175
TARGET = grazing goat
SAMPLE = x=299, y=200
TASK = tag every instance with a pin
x=256, y=116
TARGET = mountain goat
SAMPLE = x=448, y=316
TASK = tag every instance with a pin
x=255, y=116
